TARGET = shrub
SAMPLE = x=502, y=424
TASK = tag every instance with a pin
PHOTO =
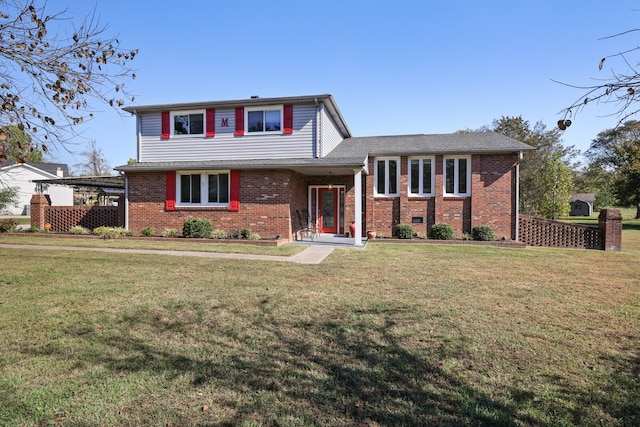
x=245, y=232
x=170, y=232
x=405, y=231
x=111, y=232
x=253, y=236
x=482, y=232
x=197, y=228
x=78, y=229
x=442, y=231
x=7, y=225
x=218, y=234
x=32, y=229
x=148, y=231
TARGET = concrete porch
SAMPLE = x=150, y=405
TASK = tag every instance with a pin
x=330, y=240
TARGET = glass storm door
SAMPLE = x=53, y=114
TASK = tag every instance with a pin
x=328, y=204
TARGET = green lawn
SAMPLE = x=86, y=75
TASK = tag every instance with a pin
x=395, y=335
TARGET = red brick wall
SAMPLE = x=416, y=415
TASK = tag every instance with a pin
x=267, y=198
x=546, y=232
x=456, y=211
x=63, y=218
x=492, y=201
x=610, y=223
x=493, y=196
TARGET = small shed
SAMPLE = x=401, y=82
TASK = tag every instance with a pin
x=582, y=204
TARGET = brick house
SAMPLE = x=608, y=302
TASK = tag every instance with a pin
x=258, y=162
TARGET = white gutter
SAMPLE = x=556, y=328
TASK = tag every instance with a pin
x=320, y=108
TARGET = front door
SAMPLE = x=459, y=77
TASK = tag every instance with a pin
x=328, y=210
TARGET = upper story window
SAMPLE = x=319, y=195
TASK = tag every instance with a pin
x=421, y=176
x=264, y=119
x=387, y=176
x=203, y=188
x=187, y=123
x=457, y=176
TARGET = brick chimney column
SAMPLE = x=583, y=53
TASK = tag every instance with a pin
x=38, y=204
x=610, y=222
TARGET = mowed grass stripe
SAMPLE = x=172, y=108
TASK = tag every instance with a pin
x=394, y=335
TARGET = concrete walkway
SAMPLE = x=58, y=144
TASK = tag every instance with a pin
x=311, y=255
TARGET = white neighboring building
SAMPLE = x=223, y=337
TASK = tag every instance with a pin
x=22, y=175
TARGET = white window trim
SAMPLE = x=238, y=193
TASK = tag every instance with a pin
x=456, y=176
x=183, y=113
x=386, y=193
x=279, y=108
x=433, y=176
x=204, y=188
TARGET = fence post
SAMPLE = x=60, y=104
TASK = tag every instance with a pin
x=610, y=222
x=38, y=204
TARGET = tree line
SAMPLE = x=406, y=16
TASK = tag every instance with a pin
x=551, y=173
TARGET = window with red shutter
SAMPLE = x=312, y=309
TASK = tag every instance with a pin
x=288, y=119
x=210, y=121
x=240, y=121
x=234, y=191
x=170, y=198
x=166, y=125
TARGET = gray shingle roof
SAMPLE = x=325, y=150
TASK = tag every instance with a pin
x=584, y=197
x=455, y=143
x=51, y=168
x=309, y=166
x=352, y=153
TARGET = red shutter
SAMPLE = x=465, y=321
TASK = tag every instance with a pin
x=170, y=202
x=240, y=121
x=288, y=119
x=166, y=125
x=234, y=191
x=210, y=123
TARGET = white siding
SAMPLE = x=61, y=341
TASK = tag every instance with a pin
x=20, y=177
x=225, y=145
x=331, y=136
x=151, y=125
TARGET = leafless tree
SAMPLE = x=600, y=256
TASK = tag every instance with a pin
x=53, y=74
x=95, y=163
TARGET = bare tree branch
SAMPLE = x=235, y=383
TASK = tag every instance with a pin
x=51, y=82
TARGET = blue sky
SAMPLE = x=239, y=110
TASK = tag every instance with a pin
x=394, y=67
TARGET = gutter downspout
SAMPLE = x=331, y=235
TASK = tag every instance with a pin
x=319, y=109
